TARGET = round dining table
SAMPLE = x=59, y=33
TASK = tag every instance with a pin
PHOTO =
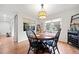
x=44, y=36
x=41, y=37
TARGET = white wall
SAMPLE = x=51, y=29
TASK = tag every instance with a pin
x=66, y=17
x=4, y=27
x=65, y=24
x=15, y=28
x=21, y=34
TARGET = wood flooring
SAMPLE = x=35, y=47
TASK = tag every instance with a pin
x=9, y=46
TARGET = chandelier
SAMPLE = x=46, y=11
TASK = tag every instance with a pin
x=42, y=14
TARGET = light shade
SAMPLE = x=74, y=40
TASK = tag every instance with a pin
x=42, y=15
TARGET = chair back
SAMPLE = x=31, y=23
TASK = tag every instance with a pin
x=34, y=34
x=57, y=35
x=28, y=32
x=31, y=35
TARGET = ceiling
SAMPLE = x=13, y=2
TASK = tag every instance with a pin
x=31, y=10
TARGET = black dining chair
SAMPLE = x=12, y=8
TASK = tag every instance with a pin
x=33, y=42
x=52, y=44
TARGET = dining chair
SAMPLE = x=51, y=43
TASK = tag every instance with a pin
x=52, y=44
x=33, y=43
x=40, y=46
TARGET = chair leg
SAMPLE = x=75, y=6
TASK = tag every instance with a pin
x=36, y=51
x=53, y=50
x=50, y=51
x=28, y=50
x=57, y=49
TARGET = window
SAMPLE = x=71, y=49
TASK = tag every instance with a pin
x=53, y=25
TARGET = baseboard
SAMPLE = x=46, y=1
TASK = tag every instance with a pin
x=22, y=40
x=62, y=41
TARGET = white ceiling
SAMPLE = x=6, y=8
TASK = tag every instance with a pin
x=31, y=10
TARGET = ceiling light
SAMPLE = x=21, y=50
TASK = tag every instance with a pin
x=42, y=14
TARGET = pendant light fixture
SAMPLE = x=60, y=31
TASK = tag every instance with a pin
x=42, y=14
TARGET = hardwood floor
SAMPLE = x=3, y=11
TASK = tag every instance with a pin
x=23, y=47
x=65, y=48
x=9, y=46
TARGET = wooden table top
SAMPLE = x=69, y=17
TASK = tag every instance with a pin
x=45, y=36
